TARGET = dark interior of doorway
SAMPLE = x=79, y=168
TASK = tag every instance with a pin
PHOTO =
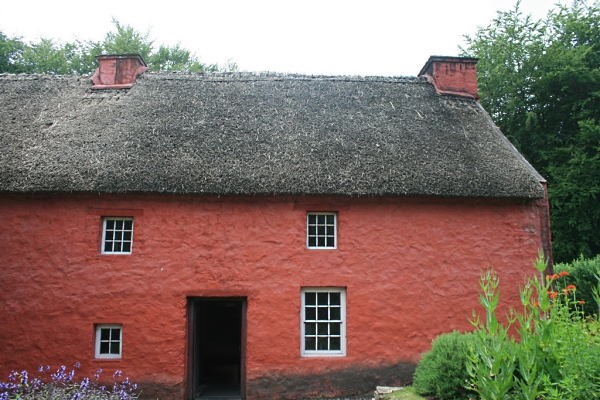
x=218, y=349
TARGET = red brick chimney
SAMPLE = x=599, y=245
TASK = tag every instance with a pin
x=117, y=71
x=452, y=75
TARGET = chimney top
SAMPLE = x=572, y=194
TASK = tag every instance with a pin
x=117, y=71
x=452, y=75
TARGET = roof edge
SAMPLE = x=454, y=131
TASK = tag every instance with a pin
x=497, y=130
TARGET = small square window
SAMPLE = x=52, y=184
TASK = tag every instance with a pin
x=323, y=322
x=108, y=341
x=321, y=230
x=117, y=236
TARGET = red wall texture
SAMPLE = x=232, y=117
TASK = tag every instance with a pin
x=410, y=267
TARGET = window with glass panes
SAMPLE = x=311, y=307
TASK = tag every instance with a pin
x=108, y=341
x=118, y=235
x=321, y=230
x=323, y=315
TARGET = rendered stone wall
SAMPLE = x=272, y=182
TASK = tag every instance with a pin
x=410, y=267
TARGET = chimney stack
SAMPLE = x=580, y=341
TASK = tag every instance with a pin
x=452, y=75
x=117, y=71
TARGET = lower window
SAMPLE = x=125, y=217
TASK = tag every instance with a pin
x=323, y=322
x=108, y=341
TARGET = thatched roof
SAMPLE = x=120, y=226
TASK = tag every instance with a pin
x=242, y=133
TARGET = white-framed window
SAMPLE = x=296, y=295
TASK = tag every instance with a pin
x=109, y=340
x=321, y=230
x=323, y=325
x=117, y=235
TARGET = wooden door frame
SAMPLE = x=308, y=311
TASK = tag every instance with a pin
x=191, y=342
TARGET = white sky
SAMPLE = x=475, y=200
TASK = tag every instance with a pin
x=351, y=37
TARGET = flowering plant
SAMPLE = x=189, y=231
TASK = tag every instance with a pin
x=61, y=385
x=555, y=353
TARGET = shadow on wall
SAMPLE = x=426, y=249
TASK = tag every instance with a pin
x=349, y=381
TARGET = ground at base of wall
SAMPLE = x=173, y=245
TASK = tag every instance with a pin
x=405, y=393
x=367, y=396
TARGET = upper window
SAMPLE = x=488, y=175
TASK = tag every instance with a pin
x=323, y=322
x=117, y=237
x=108, y=341
x=321, y=230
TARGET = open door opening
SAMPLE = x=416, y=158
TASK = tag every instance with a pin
x=217, y=344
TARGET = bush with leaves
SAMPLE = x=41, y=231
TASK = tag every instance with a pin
x=62, y=386
x=583, y=273
x=442, y=372
x=557, y=351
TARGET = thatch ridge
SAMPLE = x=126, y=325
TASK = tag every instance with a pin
x=253, y=133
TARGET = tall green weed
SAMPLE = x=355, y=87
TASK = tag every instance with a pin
x=556, y=352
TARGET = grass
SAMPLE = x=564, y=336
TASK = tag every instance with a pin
x=408, y=393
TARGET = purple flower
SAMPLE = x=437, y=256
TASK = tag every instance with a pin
x=85, y=382
x=35, y=383
x=117, y=374
x=59, y=375
x=77, y=364
x=97, y=374
x=24, y=377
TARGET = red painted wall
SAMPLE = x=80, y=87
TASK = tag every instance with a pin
x=456, y=78
x=410, y=265
x=452, y=75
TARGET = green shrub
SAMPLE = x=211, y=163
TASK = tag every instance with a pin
x=582, y=274
x=442, y=370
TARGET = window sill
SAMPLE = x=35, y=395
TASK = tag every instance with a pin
x=323, y=355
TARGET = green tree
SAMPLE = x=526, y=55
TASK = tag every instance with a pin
x=176, y=58
x=47, y=56
x=540, y=81
x=78, y=57
x=127, y=40
x=11, y=54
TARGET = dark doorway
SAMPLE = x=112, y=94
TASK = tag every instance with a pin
x=217, y=342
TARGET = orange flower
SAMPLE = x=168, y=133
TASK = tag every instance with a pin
x=581, y=301
x=553, y=295
x=564, y=273
x=549, y=277
x=571, y=287
x=536, y=304
x=555, y=276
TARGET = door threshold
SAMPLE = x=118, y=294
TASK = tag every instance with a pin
x=218, y=398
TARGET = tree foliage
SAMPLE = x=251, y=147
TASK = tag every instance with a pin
x=78, y=57
x=540, y=81
x=11, y=54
